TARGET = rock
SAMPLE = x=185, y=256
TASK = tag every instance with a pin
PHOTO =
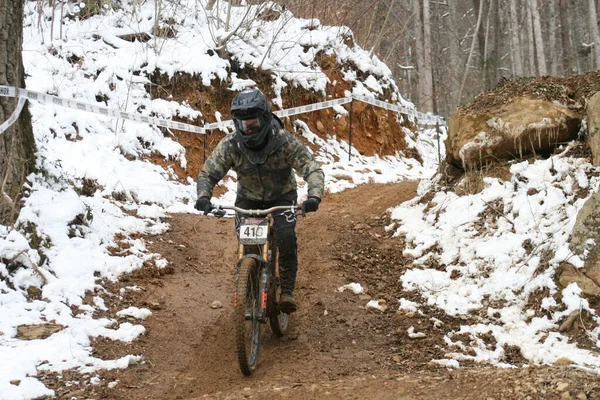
x=216, y=304
x=566, y=396
x=34, y=293
x=320, y=126
x=32, y=332
x=586, y=231
x=154, y=305
x=567, y=324
x=522, y=126
x=563, y=361
x=587, y=285
x=593, y=125
x=562, y=386
x=581, y=396
x=361, y=226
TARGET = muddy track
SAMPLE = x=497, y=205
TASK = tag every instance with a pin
x=336, y=348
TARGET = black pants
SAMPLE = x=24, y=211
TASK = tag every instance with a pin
x=284, y=224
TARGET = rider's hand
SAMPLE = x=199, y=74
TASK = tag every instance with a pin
x=203, y=204
x=311, y=204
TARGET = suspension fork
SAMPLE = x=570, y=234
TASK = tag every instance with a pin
x=264, y=276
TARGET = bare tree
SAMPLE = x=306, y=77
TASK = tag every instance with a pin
x=468, y=52
x=515, y=43
x=428, y=70
x=479, y=5
x=424, y=84
x=466, y=73
x=455, y=60
x=567, y=51
x=539, y=41
x=17, y=145
x=594, y=33
x=385, y=24
x=530, y=40
x=552, y=29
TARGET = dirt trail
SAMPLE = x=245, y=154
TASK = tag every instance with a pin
x=336, y=348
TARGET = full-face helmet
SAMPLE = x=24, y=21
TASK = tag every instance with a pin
x=252, y=117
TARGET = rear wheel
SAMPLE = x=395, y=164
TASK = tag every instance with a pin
x=246, y=308
x=277, y=320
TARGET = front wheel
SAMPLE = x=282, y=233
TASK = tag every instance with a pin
x=246, y=309
x=277, y=320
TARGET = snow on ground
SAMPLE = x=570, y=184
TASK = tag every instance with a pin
x=483, y=260
x=94, y=184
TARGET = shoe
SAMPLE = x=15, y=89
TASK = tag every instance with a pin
x=287, y=303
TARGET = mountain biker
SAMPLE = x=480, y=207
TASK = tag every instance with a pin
x=264, y=155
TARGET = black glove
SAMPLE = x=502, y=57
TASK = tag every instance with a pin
x=311, y=204
x=203, y=204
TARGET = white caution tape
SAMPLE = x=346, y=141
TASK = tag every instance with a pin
x=93, y=108
x=381, y=104
x=423, y=119
x=8, y=91
x=288, y=111
x=312, y=107
x=13, y=117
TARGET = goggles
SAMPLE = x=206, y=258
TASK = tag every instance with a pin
x=250, y=126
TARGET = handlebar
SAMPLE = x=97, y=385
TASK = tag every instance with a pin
x=219, y=211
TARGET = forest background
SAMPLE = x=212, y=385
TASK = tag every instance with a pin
x=443, y=53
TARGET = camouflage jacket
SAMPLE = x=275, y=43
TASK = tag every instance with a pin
x=264, y=175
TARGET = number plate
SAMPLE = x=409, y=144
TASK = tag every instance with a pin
x=254, y=231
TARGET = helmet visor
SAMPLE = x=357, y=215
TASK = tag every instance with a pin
x=249, y=124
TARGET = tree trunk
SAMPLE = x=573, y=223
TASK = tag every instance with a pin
x=455, y=59
x=594, y=34
x=471, y=51
x=530, y=40
x=423, y=95
x=539, y=41
x=497, y=38
x=567, y=51
x=383, y=28
x=552, y=27
x=477, y=5
x=428, y=70
x=515, y=43
x=17, y=145
x=488, y=59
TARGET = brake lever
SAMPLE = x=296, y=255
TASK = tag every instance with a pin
x=302, y=212
x=219, y=212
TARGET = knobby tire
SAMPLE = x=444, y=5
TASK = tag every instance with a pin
x=277, y=320
x=246, y=311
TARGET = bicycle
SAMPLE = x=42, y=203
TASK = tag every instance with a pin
x=257, y=283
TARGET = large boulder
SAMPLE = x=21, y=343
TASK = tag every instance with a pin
x=521, y=126
x=593, y=125
x=585, y=238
